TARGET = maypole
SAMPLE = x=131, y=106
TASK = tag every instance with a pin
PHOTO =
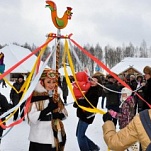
x=57, y=65
x=59, y=23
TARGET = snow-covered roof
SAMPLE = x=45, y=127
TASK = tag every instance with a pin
x=13, y=54
x=136, y=63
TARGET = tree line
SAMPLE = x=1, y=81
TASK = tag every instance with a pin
x=109, y=55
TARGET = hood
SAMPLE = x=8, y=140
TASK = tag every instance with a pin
x=82, y=77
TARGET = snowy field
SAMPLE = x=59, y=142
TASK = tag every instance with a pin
x=17, y=138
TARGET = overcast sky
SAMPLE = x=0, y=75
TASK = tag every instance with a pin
x=112, y=22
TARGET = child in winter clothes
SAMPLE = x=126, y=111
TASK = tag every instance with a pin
x=83, y=83
x=127, y=111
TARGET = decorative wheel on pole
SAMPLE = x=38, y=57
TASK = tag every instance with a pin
x=59, y=23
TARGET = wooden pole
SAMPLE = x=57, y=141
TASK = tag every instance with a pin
x=56, y=97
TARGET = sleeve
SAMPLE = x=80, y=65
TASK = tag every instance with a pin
x=34, y=114
x=122, y=139
x=4, y=103
x=60, y=93
x=11, y=93
x=125, y=111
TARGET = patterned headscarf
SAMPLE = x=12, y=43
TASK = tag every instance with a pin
x=49, y=73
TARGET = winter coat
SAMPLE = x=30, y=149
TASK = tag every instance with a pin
x=147, y=93
x=41, y=131
x=4, y=106
x=139, y=100
x=64, y=86
x=127, y=112
x=112, y=98
x=133, y=84
x=83, y=83
x=93, y=96
x=121, y=140
x=14, y=96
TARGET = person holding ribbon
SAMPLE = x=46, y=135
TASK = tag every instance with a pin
x=86, y=118
x=45, y=116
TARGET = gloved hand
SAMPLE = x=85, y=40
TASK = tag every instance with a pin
x=113, y=113
x=75, y=105
x=51, y=106
x=58, y=115
x=107, y=117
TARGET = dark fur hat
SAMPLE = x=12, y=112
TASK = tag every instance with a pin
x=97, y=77
x=147, y=70
x=20, y=76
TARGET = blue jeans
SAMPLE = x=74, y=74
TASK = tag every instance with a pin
x=85, y=144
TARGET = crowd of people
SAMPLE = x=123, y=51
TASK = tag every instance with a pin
x=124, y=107
x=132, y=130
x=122, y=104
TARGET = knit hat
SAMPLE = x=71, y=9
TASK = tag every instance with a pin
x=147, y=70
x=49, y=73
x=127, y=91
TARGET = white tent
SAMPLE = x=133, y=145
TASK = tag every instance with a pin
x=13, y=54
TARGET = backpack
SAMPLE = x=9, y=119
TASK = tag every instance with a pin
x=146, y=122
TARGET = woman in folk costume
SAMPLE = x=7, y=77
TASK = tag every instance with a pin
x=46, y=128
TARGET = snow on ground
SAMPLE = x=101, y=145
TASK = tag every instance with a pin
x=17, y=138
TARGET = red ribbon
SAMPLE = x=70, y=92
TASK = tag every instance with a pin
x=21, y=119
x=24, y=59
x=107, y=69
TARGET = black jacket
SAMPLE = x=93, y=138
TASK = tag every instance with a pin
x=93, y=96
x=112, y=98
x=4, y=106
x=147, y=93
x=14, y=96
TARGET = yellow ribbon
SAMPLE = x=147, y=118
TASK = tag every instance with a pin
x=93, y=109
x=66, y=51
x=27, y=82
